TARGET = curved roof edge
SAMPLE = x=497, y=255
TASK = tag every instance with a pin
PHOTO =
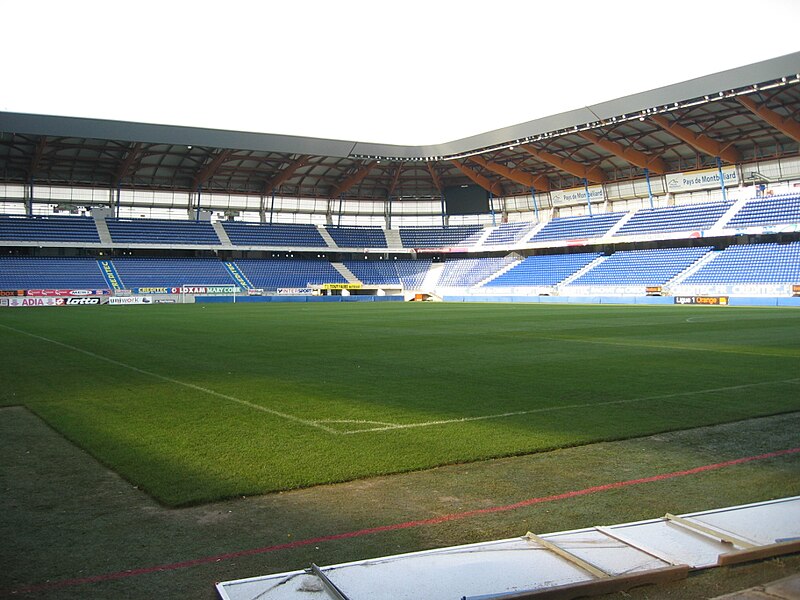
x=123, y=131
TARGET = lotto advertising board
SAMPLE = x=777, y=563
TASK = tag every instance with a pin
x=29, y=301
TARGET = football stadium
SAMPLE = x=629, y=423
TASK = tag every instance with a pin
x=230, y=357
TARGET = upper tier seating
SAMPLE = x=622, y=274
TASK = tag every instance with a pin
x=465, y=272
x=162, y=231
x=751, y=263
x=545, y=270
x=171, y=272
x=271, y=274
x=405, y=272
x=667, y=219
x=440, y=237
x=508, y=233
x=647, y=267
x=32, y=273
x=274, y=234
x=772, y=210
x=48, y=229
x=574, y=228
x=357, y=237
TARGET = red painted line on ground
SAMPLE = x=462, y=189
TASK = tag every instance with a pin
x=52, y=585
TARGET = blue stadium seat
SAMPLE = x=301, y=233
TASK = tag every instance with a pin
x=646, y=267
x=665, y=219
x=751, y=264
x=440, y=237
x=162, y=231
x=26, y=273
x=544, y=270
x=48, y=229
x=281, y=235
x=575, y=228
x=357, y=237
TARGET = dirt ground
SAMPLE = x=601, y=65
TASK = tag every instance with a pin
x=73, y=529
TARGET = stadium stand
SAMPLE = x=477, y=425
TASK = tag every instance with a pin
x=48, y=229
x=544, y=270
x=357, y=237
x=171, y=272
x=274, y=234
x=440, y=237
x=508, y=233
x=668, y=219
x=647, y=267
x=25, y=273
x=573, y=228
x=772, y=210
x=466, y=272
x=751, y=263
x=271, y=274
x=404, y=272
x=162, y=231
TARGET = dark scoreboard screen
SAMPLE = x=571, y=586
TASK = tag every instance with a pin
x=466, y=200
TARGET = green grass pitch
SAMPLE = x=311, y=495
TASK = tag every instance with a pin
x=194, y=403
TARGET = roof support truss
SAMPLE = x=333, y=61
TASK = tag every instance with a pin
x=491, y=186
x=699, y=141
x=655, y=164
x=285, y=175
x=207, y=172
x=127, y=162
x=591, y=173
x=537, y=182
x=354, y=179
x=783, y=124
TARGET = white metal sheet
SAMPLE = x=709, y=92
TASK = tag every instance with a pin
x=519, y=564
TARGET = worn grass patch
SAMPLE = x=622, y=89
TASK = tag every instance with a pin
x=200, y=402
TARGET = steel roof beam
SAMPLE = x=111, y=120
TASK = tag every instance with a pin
x=435, y=178
x=495, y=187
x=538, y=182
x=127, y=162
x=286, y=174
x=37, y=156
x=207, y=172
x=653, y=163
x=783, y=124
x=699, y=141
x=395, y=179
x=591, y=173
x=354, y=179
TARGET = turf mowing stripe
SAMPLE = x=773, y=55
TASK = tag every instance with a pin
x=391, y=427
x=178, y=382
x=53, y=585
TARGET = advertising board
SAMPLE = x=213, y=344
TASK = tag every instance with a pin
x=702, y=300
x=119, y=301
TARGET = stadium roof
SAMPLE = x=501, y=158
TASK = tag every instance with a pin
x=750, y=113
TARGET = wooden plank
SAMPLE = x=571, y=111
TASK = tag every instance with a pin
x=758, y=553
x=662, y=556
x=598, y=587
x=708, y=530
x=575, y=560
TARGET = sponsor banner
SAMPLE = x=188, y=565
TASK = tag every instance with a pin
x=707, y=300
x=795, y=290
x=237, y=275
x=701, y=180
x=156, y=290
x=36, y=301
x=8, y=293
x=653, y=290
x=774, y=290
x=255, y=291
x=123, y=292
x=3, y=301
x=119, y=300
x=295, y=291
x=67, y=293
x=342, y=286
x=84, y=301
x=577, y=195
x=110, y=274
x=209, y=290
x=167, y=301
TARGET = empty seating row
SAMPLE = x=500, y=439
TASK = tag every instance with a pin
x=289, y=273
x=465, y=272
x=162, y=231
x=405, y=272
x=544, y=270
x=772, y=210
x=171, y=272
x=667, y=219
x=646, y=267
x=508, y=233
x=357, y=237
x=26, y=273
x=751, y=263
x=48, y=229
x=274, y=234
x=572, y=228
x=440, y=237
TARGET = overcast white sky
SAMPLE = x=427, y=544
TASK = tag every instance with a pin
x=406, y=72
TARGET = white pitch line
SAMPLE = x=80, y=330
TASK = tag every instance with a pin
x=567, y=407
x=191, y=386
